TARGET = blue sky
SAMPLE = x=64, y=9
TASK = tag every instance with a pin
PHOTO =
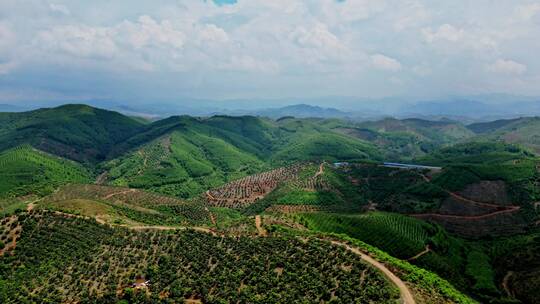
x=166, y=50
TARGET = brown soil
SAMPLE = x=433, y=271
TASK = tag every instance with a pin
x=258, y=224
x=13, y=234
x=102, y=178
x=321, y=170
x=119, y=193
x=494, y=192
x=498, y=223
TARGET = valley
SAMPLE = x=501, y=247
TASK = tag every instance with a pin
x=100, y=207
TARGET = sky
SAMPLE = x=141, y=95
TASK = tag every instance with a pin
x=131, y=50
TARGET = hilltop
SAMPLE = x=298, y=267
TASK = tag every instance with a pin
x=77, y=132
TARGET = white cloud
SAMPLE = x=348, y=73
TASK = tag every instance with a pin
x=317, y=36
x=59, y=8
x=148, y=32
x=7, y=37
x=7, y=67
x=351, y=11
x=444, y=32
x=79, y=41
x=386, y=63
x=249, y=64
x=461, y=38
x=413, y=14
x=422, y=70
x=213, y=34
x=307, y=43
x=528, y=11
x=507, y=67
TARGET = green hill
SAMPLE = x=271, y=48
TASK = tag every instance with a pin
x=66, y=259
x=184, y=163
x=26, y=170
x=180, y=155
x=77, y=132
x=490, y=126
x=422, y=244
x=523, y=131
x=184, y=156
x=407, y=138
x=484, y=152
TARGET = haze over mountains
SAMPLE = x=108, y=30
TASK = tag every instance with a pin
x=467, y=109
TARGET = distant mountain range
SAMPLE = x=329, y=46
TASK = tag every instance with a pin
x=466, y=109
x=11, y=108
x=301, y=111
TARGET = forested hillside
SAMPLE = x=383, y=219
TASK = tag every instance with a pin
x=77, y=132
x=97, y=206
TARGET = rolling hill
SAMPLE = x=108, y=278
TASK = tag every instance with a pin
x=25, y=170
x=303, y=188
x=185, y=156
x=407, y=138
x=522, y=131
x=77, y=132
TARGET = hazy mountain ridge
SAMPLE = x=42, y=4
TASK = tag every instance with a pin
x=463, y=108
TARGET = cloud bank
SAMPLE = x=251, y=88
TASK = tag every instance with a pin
x=166, y=50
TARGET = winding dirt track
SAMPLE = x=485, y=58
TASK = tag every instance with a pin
x=425, y=251
x=464, y=217
x=505, y=283
x=200, y=229
x=507, y=209
x=321, y=170
x=404, y=291
x=119, y=193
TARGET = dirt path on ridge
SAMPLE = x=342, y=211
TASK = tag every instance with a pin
x=258, y=224
x=321, y=170
x=100, y=180
x=505, y=283
x=404, y=291
x=506, y=209
x=425, y=251
x=465, y=217
x=119, y=193
x=200, y=229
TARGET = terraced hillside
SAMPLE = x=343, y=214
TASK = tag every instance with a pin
x=77, y=132
x=184, y=156
x=314, y=194
x=471, y=199
x=243, y=192
x=25, y=170
x=299, y=187
x=98, y=263
x=127, y=206
x=182, y=164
